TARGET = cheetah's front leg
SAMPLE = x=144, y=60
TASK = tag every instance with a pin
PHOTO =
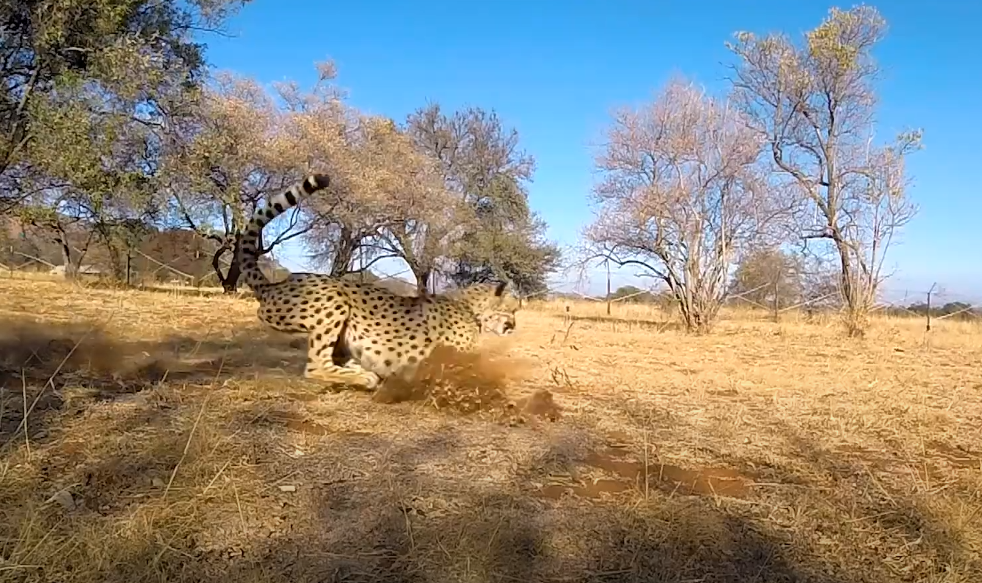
x=327, y=371
x=353, y=364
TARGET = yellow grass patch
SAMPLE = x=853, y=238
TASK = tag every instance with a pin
x=154, y=436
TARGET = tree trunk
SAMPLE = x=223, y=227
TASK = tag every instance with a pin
x=61, y=239
x=856, y=307
x=344, y=252
x=698, y=313
x=423, y=276
x=115, y=262
x=71, y=270
x=230, y=281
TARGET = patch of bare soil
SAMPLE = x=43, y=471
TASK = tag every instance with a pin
x=622, y=473
x=295, y=422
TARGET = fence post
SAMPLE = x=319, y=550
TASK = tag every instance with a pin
x=774, y=304
x=608, y=287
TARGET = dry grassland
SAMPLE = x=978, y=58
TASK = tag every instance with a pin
x=172, y=438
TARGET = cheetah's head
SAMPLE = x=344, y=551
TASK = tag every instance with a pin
x=494, y=304
x=500, y=323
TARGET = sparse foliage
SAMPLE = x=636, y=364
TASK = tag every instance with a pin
x=387, y=198
x=682, y=192
x=338, y=138
x=97, y=162
x=814, y=106
x=484, y=168
x=768, y=277
x=428, y=218
x=394, y=203
x=223, y=159
x=126, y=52
x=820, y=287
x=86, y=90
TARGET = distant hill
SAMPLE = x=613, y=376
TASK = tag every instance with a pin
x=393, y=284
x=163, y=255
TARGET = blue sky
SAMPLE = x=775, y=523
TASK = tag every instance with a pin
x=554, y=70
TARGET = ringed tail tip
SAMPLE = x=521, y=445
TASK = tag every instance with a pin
x=315, y=182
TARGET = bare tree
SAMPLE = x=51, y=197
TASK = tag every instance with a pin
x=427, y=218
x=224, y=159
x=386, y=199
x=682, y=192
x=814, y=106
x=348, y=218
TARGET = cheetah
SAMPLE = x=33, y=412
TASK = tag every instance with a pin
x=358, y=333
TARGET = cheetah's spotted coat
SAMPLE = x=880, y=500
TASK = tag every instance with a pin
x=359, y=333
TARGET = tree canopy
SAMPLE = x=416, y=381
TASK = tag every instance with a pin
x=110, y=126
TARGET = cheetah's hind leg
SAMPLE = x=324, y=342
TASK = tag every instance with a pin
x=322, y=362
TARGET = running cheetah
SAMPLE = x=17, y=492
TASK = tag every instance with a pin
x=359, y=333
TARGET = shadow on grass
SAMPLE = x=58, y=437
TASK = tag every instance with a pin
x=362, y=507
x=48, y=369
x=921, y=515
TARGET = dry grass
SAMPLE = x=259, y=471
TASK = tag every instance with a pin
x=171, y=438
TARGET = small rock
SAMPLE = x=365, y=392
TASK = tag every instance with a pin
x=63, y=497
x=157, y=483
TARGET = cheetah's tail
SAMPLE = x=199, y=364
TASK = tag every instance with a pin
x=275, y=206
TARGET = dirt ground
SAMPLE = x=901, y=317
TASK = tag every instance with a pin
x=172, y=438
